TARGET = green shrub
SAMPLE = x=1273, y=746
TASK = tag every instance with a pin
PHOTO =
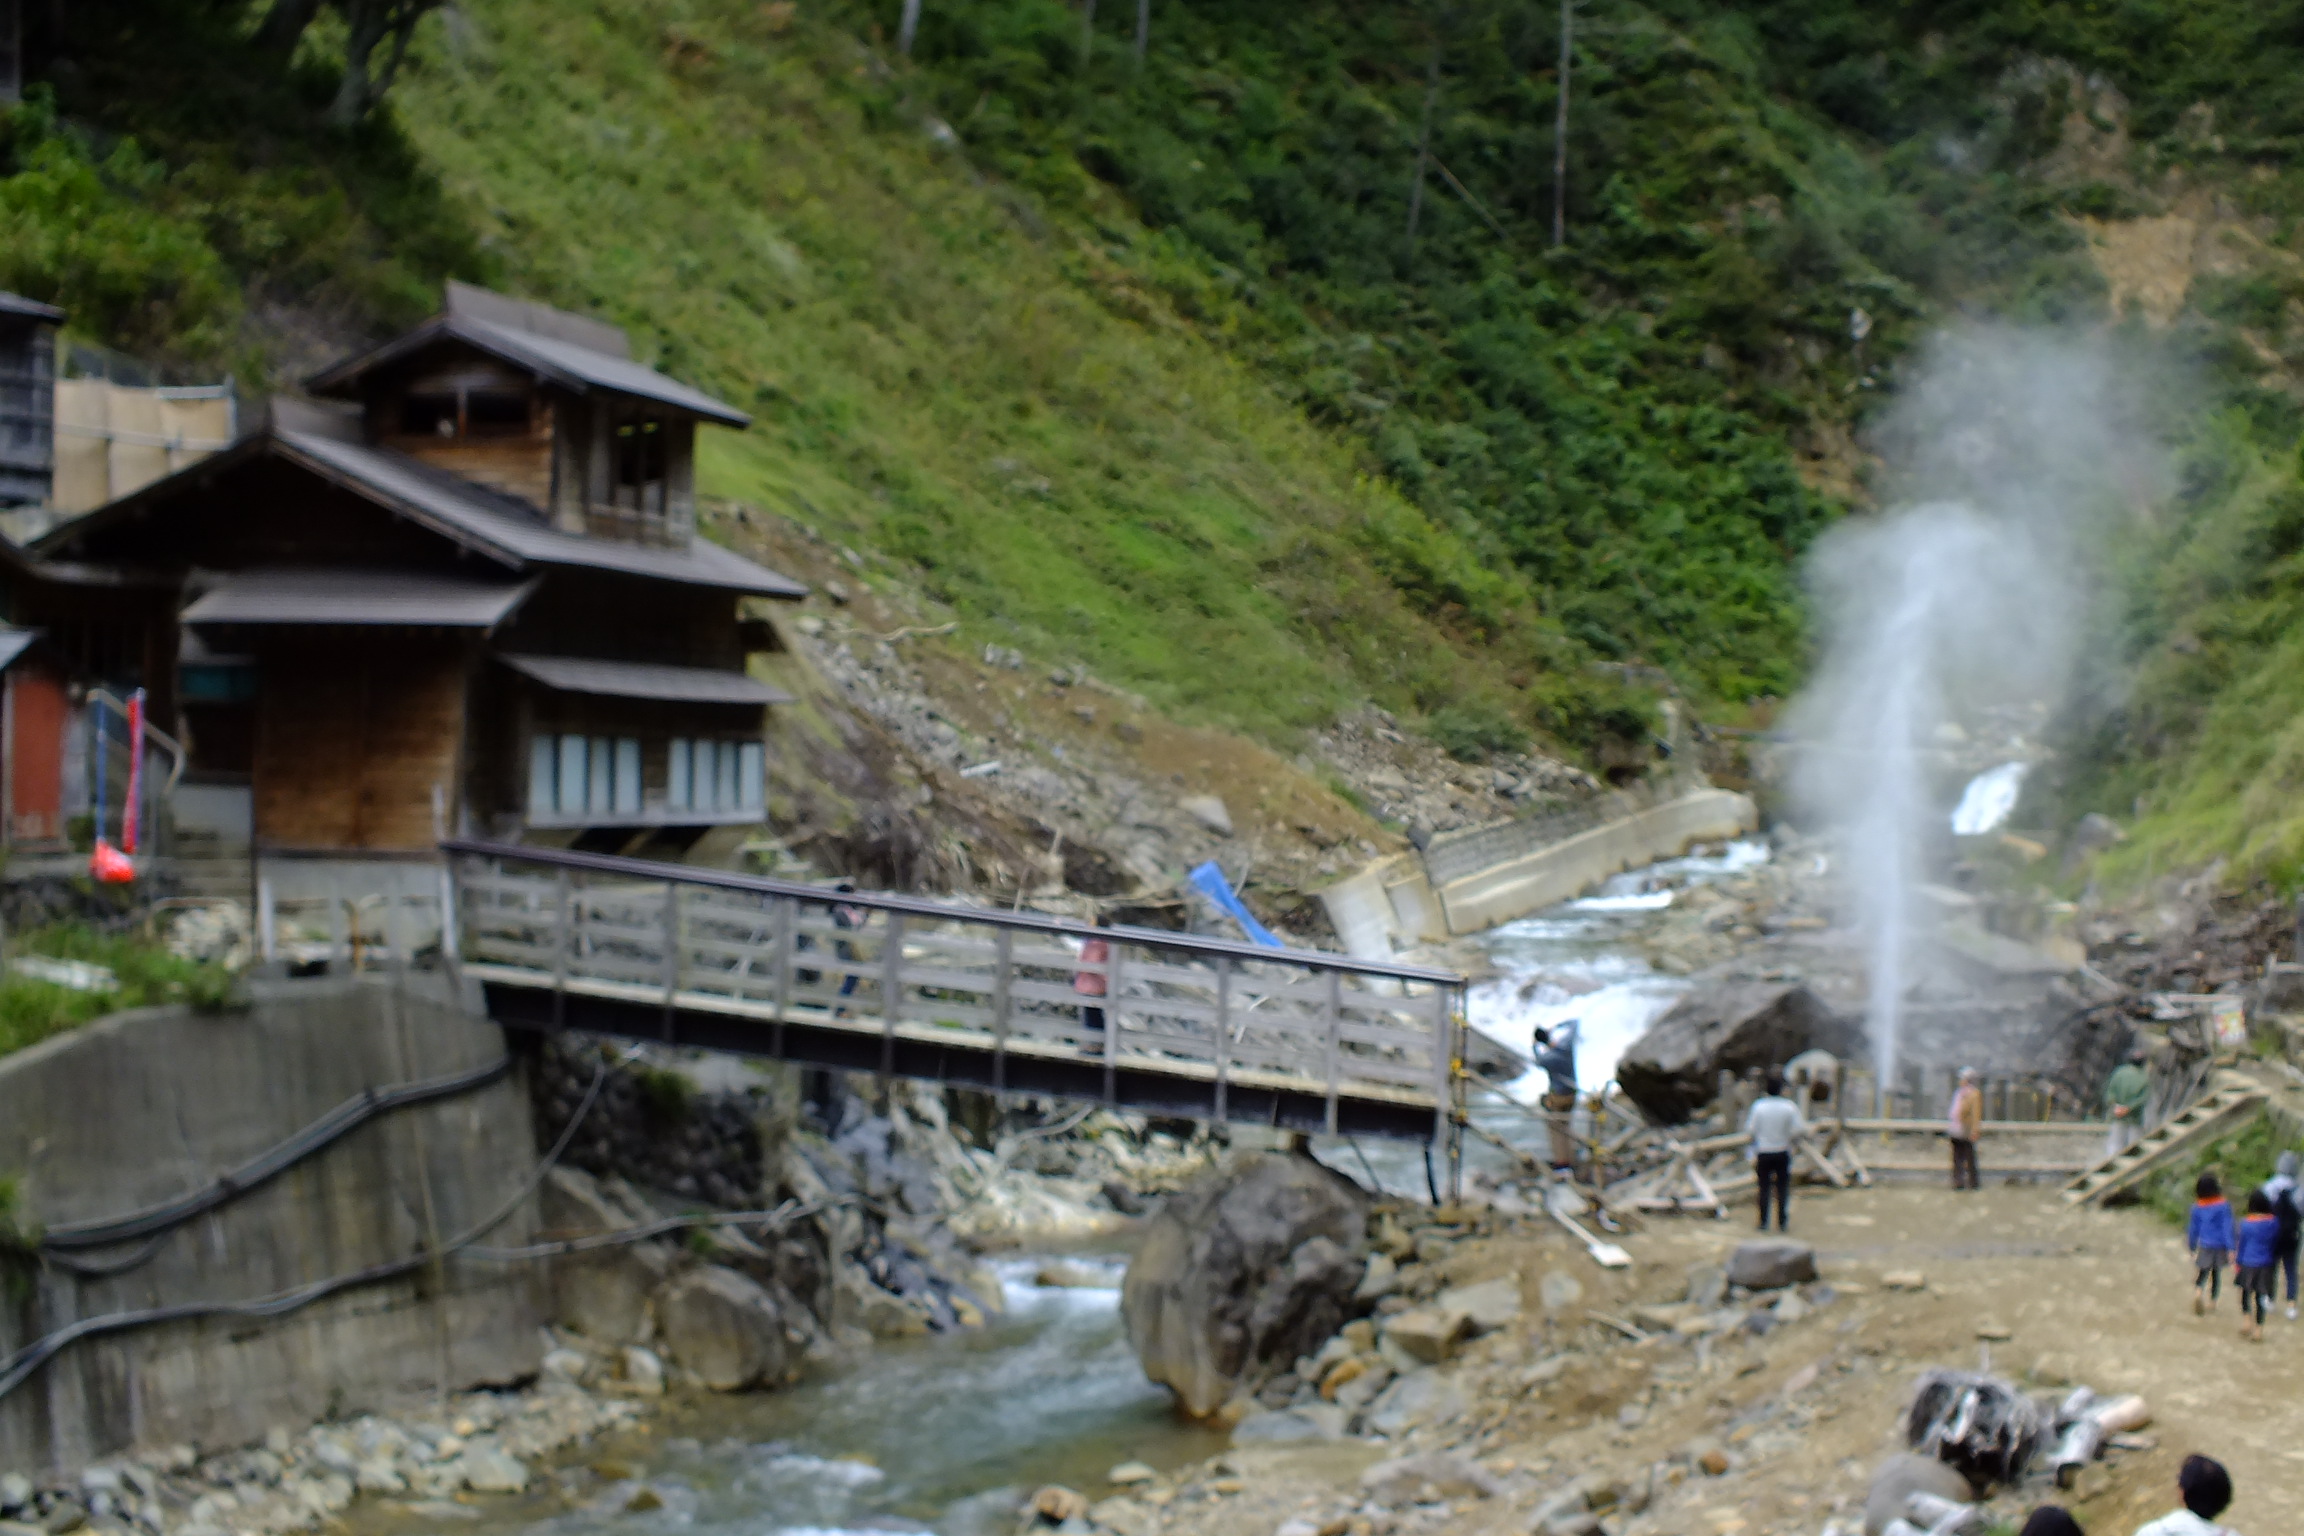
x=1473, y=732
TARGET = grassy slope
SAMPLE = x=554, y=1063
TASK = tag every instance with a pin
x=941, y=377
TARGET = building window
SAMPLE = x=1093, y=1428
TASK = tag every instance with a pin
x=595, y=777
x=640, y=456
x=710, y=778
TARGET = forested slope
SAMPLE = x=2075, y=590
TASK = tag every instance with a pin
x=1248, y=372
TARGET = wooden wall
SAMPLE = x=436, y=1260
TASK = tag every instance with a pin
x=351, y=737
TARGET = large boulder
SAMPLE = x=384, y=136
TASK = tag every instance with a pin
x=1674, y=1069
x=1771, y=1265
x=1241, y=1273
x=603, y=1293
x=728, y=1329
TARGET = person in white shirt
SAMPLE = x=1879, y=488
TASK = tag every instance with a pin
x=2207, y=1491
x=1775, y=1126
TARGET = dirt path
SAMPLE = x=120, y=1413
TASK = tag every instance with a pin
x=1795, y=1421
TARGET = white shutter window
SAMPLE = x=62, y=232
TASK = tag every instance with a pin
x=724, y=755
x=542, y=753
x=572, y=756
x=678, y=779
x=751, y=774
x=599, y=784
x=628, y=776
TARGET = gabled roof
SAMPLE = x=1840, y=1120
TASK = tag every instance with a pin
x=574, y=352
x=494, y=526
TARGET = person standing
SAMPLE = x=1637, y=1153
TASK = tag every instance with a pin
x=2256, y=1259
x=2206, y=1489
x=2125, y=1095
x=1775, y=1126
x=1556, y=1054
x=1092, y=981
x=1963, y=1123
x=2288, y=1205
x=2209, y=1237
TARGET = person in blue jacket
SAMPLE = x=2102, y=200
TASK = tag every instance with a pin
x=2256, y=1259
x=2210, y=1238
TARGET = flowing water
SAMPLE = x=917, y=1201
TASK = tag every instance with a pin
x=935, y=1433
x=941, y=1433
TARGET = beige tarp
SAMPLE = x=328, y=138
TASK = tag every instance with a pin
x=112, y=439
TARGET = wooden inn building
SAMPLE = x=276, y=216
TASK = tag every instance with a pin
x=460, y=589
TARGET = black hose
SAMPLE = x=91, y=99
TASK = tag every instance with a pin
x=19, y=1367
x=261, y=1169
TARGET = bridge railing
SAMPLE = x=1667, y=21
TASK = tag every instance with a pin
x=1012, y=983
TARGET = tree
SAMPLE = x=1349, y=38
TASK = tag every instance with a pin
x=1143, y=29
x=376, y=36
x=907, y=27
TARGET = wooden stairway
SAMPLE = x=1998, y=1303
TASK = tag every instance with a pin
x=2230, y=1099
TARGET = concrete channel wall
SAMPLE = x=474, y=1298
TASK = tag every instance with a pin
x=147, y=1106
x=1394, y=899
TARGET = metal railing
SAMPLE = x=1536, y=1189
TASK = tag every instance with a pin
x=1011, y=984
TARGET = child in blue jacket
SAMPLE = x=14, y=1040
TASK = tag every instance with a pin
x=2257, y=1254
x=2209, y=1235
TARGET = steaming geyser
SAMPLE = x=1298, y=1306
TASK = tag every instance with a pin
x=1963, y=596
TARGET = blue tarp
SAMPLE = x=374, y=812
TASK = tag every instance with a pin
x=1208, y=880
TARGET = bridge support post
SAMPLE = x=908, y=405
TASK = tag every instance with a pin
x=1003, y=976
x=891, y=990
x=1223, y=1034
x=1335, y=1011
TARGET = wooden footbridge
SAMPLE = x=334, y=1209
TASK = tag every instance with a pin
x=908, y=987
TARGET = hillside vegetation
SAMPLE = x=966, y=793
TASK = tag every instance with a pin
x=1249, y=374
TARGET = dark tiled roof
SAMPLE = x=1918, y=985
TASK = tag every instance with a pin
x=17, y=304
x=644, y=680
x=563, y=362
x=511, y=532
x=361, y=595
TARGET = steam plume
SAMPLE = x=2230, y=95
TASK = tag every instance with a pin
x=2002, y=449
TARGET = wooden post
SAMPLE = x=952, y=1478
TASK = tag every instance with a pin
x=1112, y=1021
x=1335, y=1041
x=1443, y=1058
x=891, y=989
x=785, y=909
x=563, y=940
x=1003, y=975
x=671, y=951
x=1223, y=1032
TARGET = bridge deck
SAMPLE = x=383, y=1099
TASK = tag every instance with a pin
x=907, y=987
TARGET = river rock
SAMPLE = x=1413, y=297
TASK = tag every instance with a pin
x=1404, y=1478
x=1420, y=1397
x=726, y=1328
x=603, y=1294
x=643, y=1373
x=1488, y=1306
x=1428, y=1335
x=1243, y=1272
x=1899, y=1477
x=1771, y=1266
x=490, y=1471
x=1673, y=1070
x=1312, y=1421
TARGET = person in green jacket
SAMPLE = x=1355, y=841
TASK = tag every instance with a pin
x=2125, y=1095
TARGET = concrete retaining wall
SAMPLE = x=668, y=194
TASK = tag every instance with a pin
x=146, y=1106
x=1392, y=900
x=1568, y=869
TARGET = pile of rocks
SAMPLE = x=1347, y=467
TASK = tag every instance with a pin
x=483, y=1443
x=1409, y=781
x=651, y=1124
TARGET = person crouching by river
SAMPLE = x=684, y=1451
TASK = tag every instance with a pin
x=1556, y=1054
x=1963, y=1123
x=1775, y=1126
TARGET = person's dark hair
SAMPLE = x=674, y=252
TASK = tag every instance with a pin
x=2051, y=1520
x=1773, y=1082
x=2207, y=1188
x=2259, y=1203
x=2206, y=1486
